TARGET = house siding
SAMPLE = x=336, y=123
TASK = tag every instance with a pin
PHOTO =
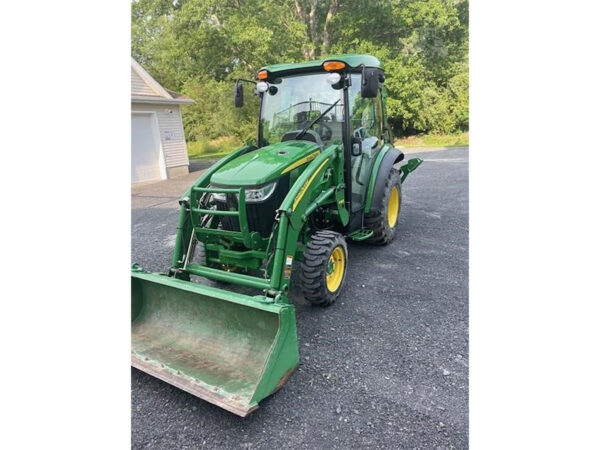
x=139, y=86
x=171, y=133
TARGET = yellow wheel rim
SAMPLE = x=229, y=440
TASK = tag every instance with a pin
x=335, y=269
x=393, y=207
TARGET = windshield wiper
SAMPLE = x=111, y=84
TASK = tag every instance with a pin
x=299, y=135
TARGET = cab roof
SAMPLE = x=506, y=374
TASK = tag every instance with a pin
x=352, y=61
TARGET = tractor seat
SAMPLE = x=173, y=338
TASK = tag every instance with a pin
x=310, y=135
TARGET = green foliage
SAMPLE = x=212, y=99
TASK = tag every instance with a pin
x=198, y=47
x=213, y=114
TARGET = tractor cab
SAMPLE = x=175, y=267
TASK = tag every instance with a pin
x=315, y=101
x=340, y=100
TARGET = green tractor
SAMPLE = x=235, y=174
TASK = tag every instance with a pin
x=323, y=171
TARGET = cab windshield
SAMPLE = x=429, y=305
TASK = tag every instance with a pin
x=292, y=102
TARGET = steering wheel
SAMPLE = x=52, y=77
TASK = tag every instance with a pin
x=309, y=135
x=324, y=131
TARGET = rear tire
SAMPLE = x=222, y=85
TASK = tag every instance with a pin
x=383, y=218
x=323, y=271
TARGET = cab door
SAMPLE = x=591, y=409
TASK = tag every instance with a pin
x=366, y=127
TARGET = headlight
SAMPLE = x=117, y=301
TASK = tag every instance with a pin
x=260, y=194
x=252, y=195
x=218, y=197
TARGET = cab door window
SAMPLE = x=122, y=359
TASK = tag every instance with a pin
x=366, y=124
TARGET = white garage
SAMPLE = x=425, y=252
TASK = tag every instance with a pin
x=158, y=148
x=147, y=158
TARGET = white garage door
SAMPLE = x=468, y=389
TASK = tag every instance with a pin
x=145, y=150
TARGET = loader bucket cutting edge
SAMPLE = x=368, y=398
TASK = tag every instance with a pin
x=230, y=349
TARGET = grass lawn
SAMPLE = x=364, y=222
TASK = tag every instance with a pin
x=212, y=148
x=209, y=156
x=434, y=140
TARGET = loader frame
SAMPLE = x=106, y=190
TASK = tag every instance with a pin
x=320, y=184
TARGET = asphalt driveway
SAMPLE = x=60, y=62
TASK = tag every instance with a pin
x=385, y=367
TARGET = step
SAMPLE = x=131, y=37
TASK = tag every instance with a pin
x=361, y=235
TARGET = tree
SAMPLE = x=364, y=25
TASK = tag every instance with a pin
x=199, y=46
x=317, y=17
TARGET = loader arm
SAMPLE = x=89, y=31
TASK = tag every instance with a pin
x=321, y=183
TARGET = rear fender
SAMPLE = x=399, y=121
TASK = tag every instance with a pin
x=383, y=164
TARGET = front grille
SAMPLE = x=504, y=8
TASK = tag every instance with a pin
x=260, y=215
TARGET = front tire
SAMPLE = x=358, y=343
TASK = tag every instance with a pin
x=323, y=271
x=383, y=220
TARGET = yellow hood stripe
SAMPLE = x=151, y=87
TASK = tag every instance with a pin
x=306, y=185
x=301, y=161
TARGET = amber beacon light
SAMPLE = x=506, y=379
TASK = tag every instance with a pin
x=330, y=66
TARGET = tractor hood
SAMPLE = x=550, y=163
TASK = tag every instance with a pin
x=265, y=164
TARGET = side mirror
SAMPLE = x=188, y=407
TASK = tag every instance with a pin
x=356, y=146
x=369, y=84
x=239, y=95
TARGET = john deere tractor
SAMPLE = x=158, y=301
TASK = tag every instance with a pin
x=323, y=171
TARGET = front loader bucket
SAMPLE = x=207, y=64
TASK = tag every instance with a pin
x=230, y=349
